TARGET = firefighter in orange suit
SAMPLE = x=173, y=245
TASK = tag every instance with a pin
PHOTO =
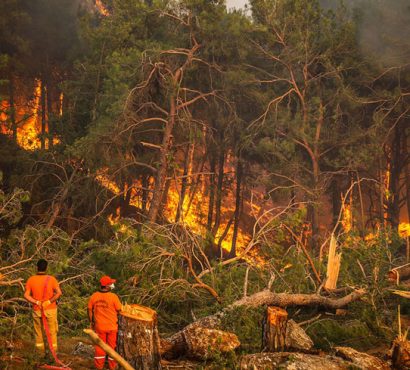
x=103, y=308
x=42, y=291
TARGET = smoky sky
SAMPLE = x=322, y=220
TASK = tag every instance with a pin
x=383, y=28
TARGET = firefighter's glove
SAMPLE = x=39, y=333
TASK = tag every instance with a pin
x=45, y=304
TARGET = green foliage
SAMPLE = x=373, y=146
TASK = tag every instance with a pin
x=246, y=323
x=11, y=206
x=327, y=333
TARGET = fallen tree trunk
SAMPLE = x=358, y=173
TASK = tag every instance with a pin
x=176, y=345
x=360, y=359
x=296, y=338
x=398, y=274
x=292, y=361
x=204, y=343
x=266, y=297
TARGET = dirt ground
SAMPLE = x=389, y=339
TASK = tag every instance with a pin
x=20, y=356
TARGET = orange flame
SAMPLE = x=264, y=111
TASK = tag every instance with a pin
x=29, y=122
x=347, y=218
x=404, y=229
x=101, y=8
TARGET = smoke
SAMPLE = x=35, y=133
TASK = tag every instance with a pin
x=383, y=28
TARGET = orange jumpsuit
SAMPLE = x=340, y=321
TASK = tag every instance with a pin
x=105, y=307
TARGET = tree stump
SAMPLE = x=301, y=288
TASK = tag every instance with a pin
x=138, y=337
x=274, y=329
x=401, y=353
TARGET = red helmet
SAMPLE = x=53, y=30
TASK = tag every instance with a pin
x=106, y=280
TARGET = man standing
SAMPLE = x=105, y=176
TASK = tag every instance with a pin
x=103, y=308
x=43, y=291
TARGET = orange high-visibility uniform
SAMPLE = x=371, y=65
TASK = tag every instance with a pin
x=105, y=307
x=35, y=287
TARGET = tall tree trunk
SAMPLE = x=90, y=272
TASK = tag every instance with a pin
x=97, y=84
x=393, y=202
x=125, y=199
x=184, y=182
x=145, y=192
x=12, y=107
x=49, y=107
x=406, y=154
x=163, y=163
x=221, y=163
x=336, y=202
x=43, y=115
x=238, y=201
x=212, y=164
x=382, y=192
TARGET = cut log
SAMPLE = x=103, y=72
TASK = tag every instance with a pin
x=292, y=361
x=274, y=329
x=138, y=338
x=401, y=353
x=398, y=274
x=296, y=337
x=203, y=343
x=360, y=359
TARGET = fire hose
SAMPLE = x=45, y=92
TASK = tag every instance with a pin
x=49, y=340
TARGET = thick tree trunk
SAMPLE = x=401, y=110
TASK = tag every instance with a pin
x=211, y=203
x=43, y=115
x=138, y=338
x=49, y=83
x=336, y=202
x=184, y=182
x=396, y=164
x=274, y=329
x=406, y=154
x=238, y=201
x=219, y=186
x=160, y=179
x=145, y=192
x=199, y=342
x=12, y=107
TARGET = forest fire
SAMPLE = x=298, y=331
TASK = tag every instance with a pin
x=27, y=114
x=193, y=213
x=27, y=118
